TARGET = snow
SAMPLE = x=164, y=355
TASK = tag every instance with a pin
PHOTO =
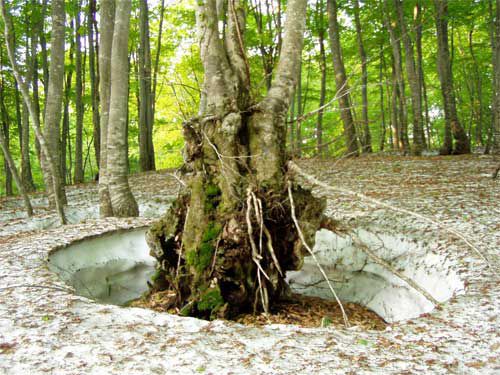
x=356, y=278
x=46, y=328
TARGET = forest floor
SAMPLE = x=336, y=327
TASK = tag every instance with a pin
x=44, y=328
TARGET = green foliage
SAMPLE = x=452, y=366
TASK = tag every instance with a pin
x=211, y=300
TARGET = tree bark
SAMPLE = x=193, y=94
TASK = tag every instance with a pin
x=396, y=53
x=31, y=107
x=123, y=202
x=79, y=172
x=53, y=107
x=11, y=166
x=453, y=126
x=107, y=24
x=146, y=150
x=94, y=79
x=221, y=246
x=341, y=80
x=322, y=96
x=367, y=138
x=413, y=80
x=496, y=82
x=420, y=70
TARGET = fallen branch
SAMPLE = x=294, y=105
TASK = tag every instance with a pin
x=374, y=257
x=294, y=167
x=301, y=235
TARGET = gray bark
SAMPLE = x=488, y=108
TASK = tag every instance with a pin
x=413, y=80
x=94, y=81
x=453, y=126
x=31, y=107
x=123, y=202
x=146, y=149
x=53, y=107
x=496, y=82
x=79, y=172
x=107, y=23
x=367, y=138
x=341, y=80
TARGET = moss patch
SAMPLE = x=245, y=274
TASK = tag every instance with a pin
x=211, y=300
x=201, y=258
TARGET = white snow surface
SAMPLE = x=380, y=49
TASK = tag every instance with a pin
x=46, y=328
x=357, y=278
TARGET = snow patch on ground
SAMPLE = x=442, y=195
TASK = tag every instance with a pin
x=356, y=278
x=113, y=268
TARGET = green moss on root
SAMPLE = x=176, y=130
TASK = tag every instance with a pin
x=210, y=301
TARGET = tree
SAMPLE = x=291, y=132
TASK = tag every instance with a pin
x=79, y=173
x=452, y=126
x=341, y=80
x=123, y=202
x=399, y=87
x=226, y=242
x=367, y=139
x=146, y=149
x=107, y=24
x=496, y=81
x=52, y=171
x=53, y=106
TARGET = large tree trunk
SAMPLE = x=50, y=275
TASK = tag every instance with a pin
x=146, y=150
x=453, y=125
x=107, y=24
x=226, y=242
x=341, y=80
x=122, y=201
x=367, y=138
x=53, y=107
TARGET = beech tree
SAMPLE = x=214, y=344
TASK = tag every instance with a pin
x=226, y=242
x=453, y=126
x=123, y=203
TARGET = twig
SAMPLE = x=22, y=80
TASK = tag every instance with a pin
x=363, y=247
x=294, y=167
x=301, y=235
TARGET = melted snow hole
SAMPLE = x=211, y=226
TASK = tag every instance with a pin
x=113, y=268
x=356, y=278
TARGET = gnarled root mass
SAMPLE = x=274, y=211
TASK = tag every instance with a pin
x=225, y=244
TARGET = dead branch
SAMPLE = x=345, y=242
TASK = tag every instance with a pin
x=301, y=235
x=313, y=180
x=374, y=257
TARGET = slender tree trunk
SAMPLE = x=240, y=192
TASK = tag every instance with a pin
x=66, y=139
x=79, y=173
x=35, y=120
x=381, y=89
x=396, y=52
x=413, y=80
x=8, y=166
x=453, y=126
x=11, y=166
x=146, y=151
x=107, y=22
x=477, y=106
x=122, y=201
x=396, y=126
x=496, y=82
x=421, y=76
x=322, y=95
x=367, y=138
x=341, y=80
x=298, y=124
x=94, y=79
x=213, y=261
x=157, y=56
